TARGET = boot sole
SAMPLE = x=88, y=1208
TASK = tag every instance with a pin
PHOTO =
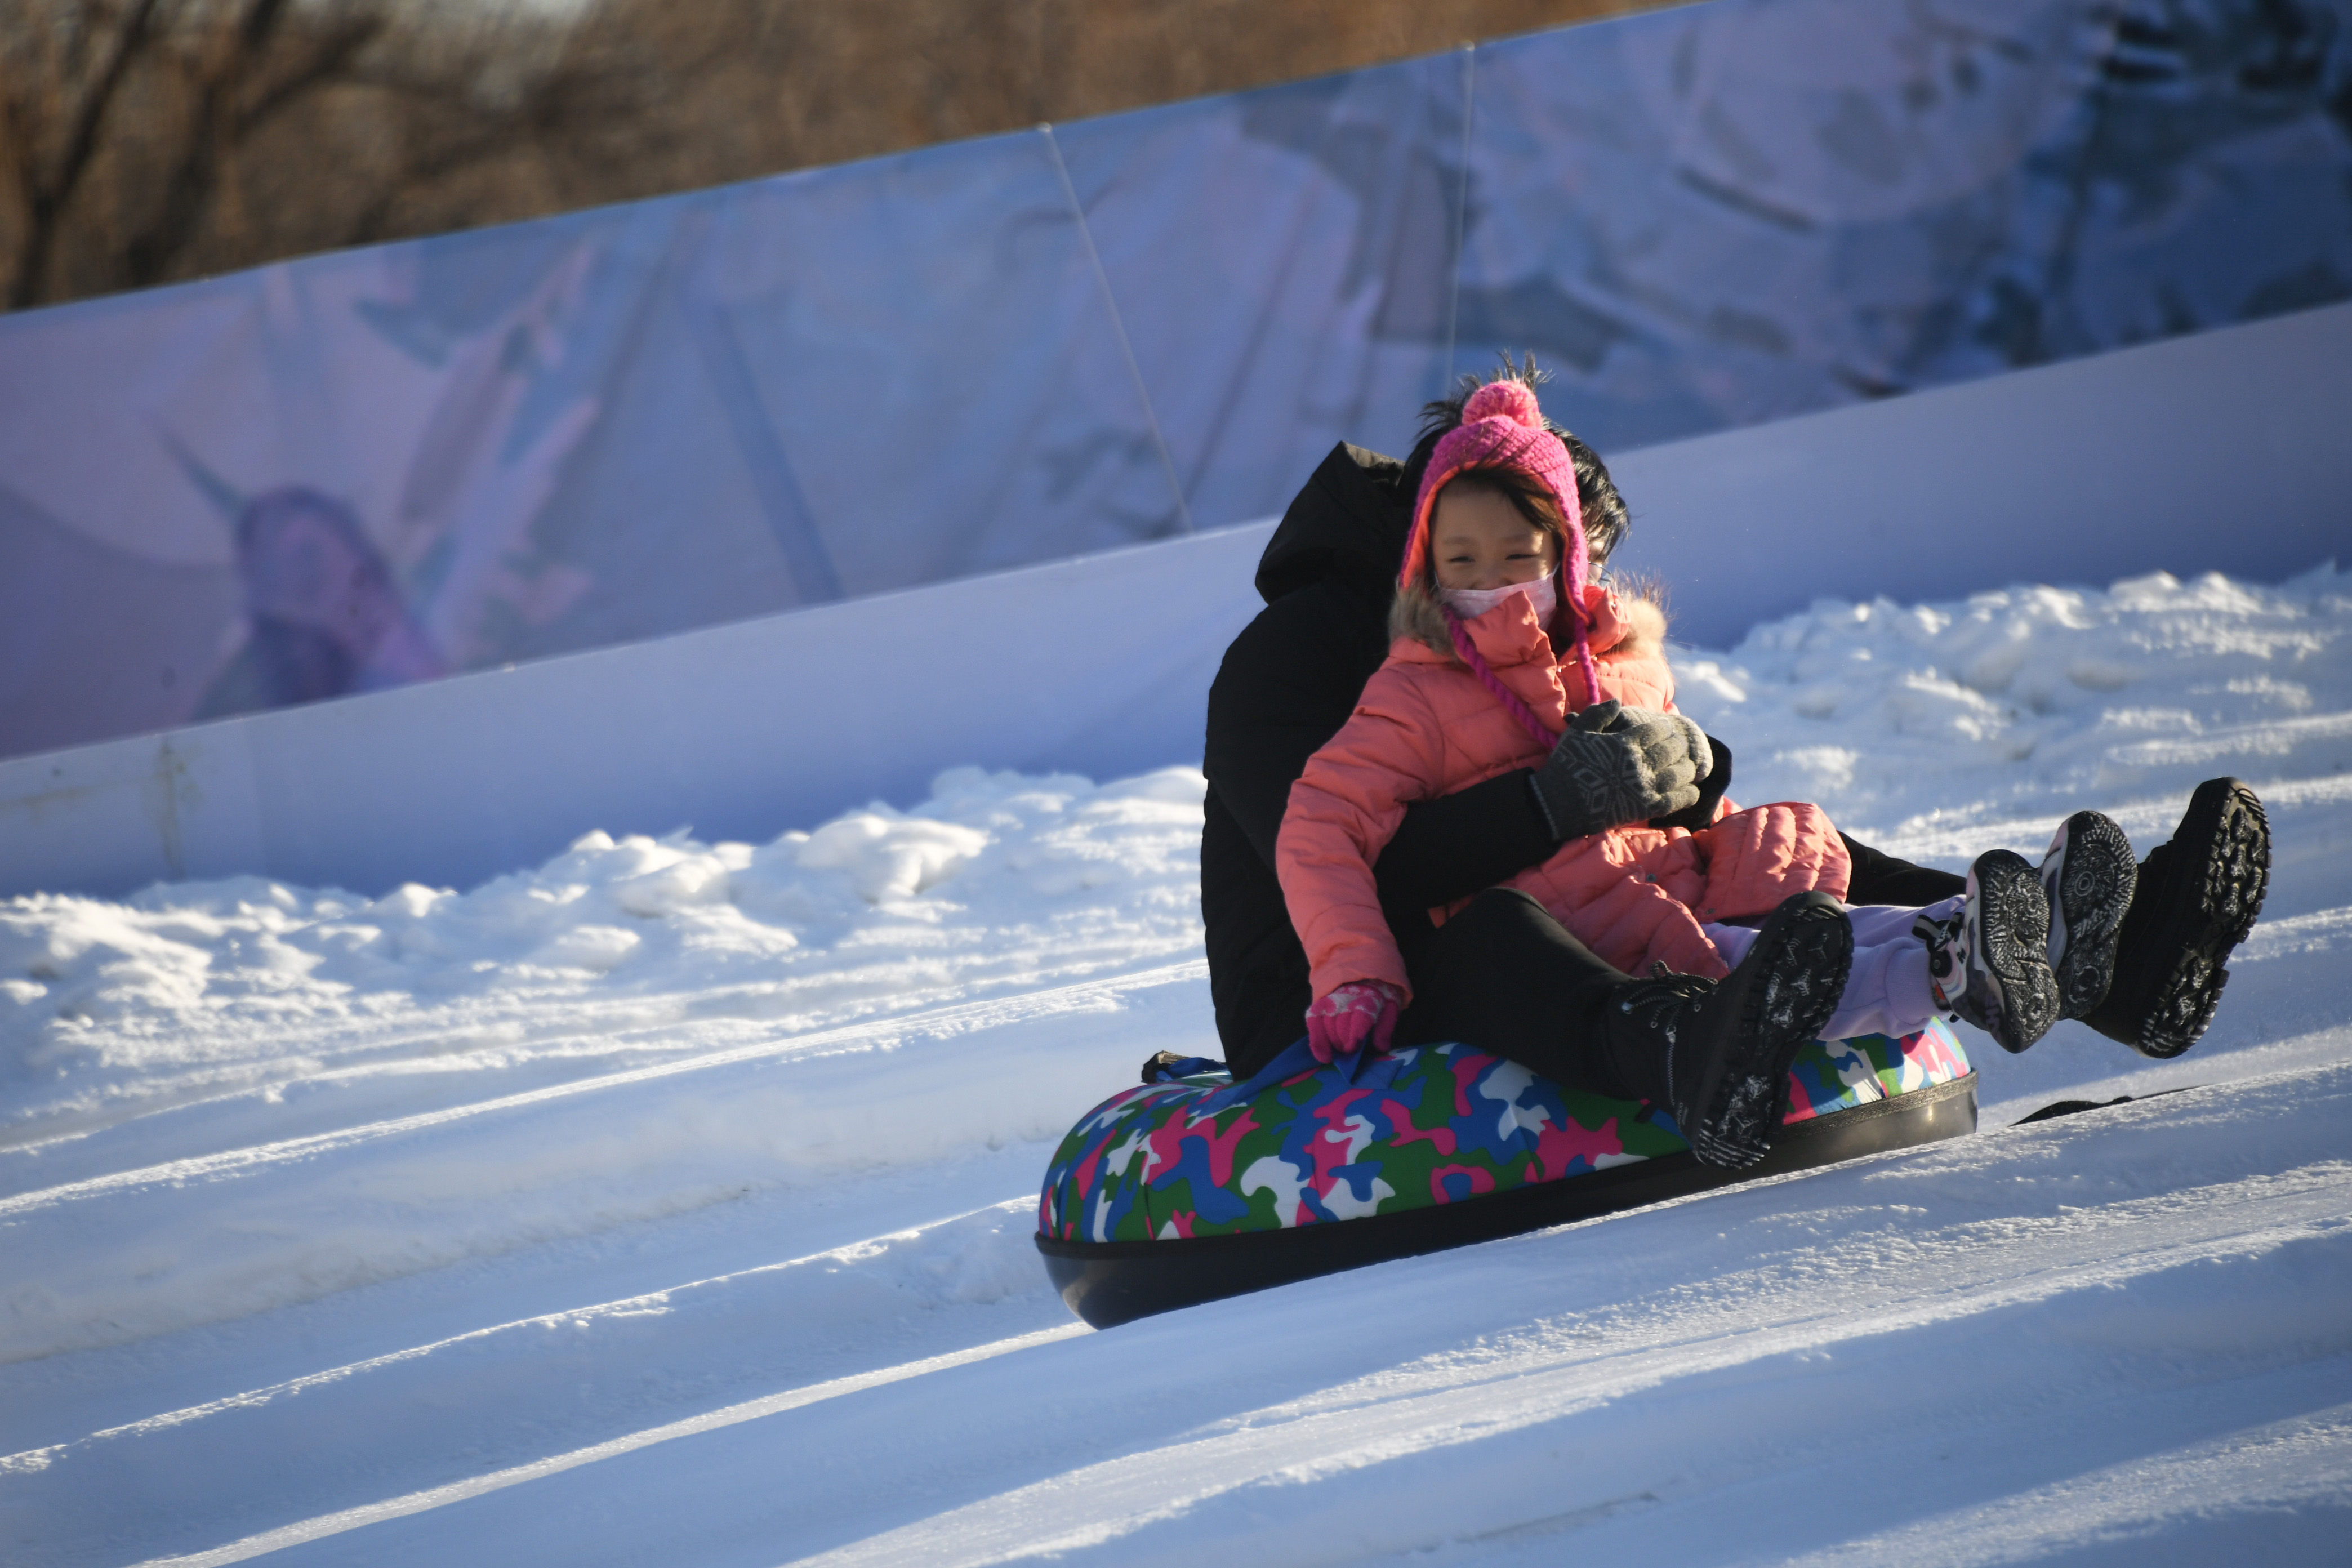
x=2229, y=834
x=2014, y=946
x=1808, y=952
x=2095, y=888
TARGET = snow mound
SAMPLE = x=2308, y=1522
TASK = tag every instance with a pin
x=613, y=954
x=2032, y=701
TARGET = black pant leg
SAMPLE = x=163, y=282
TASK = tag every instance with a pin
x=1503, y=975
x=1881, y=879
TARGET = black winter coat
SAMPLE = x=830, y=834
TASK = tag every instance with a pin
x=1286, y=685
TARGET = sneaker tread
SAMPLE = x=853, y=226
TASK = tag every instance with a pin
x=1807, y=966
x=2014, y=929
x=2093, y=890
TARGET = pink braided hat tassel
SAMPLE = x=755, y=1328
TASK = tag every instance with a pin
x=1584, y=658
x=1546, y=736
x=1575, y=572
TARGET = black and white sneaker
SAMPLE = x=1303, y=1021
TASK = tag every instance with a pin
x=2196, y=899
x=1989, y=964
x=2087, y=877
x=1728, y=1044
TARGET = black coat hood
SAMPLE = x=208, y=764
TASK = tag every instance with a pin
x=1349, y=522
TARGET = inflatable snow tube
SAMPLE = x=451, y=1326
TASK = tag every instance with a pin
x=1176, y=1193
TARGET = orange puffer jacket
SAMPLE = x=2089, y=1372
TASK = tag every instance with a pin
x=1425, y=727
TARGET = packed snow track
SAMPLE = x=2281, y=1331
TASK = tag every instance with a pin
x=671, y=1203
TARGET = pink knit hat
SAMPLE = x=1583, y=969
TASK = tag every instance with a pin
x=1503, y=427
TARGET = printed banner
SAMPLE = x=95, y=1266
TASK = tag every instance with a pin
x=377, y=467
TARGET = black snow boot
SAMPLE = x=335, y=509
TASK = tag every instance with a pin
x=2087, y=875
x=1989, y=964
x=1717, y=1053
x=2198, y=897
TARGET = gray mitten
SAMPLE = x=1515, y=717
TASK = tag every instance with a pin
x=1619, y=764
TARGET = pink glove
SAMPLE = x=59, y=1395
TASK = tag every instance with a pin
x=1358, y=1013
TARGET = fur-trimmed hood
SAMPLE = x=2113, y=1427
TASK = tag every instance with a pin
x=1627, y=632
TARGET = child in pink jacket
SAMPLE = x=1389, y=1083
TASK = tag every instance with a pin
x=1500, y=641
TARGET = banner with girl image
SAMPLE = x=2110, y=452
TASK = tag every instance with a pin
x=363, y=469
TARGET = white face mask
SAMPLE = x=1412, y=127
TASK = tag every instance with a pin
x=1471, y=603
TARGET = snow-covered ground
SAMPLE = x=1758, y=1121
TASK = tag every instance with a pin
x=671, y=1202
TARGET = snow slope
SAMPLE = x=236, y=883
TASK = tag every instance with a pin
x=670, y=1202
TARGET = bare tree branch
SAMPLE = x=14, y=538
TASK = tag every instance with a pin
x=260, y=22
x=329, y=57
x=230, y=55
x=49, y=197
x=145, y=140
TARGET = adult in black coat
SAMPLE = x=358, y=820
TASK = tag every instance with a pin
x=1503, y=974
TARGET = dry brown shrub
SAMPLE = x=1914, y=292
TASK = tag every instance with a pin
x=147, y=141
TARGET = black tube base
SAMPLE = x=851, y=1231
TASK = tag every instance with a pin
x=1114, y=1282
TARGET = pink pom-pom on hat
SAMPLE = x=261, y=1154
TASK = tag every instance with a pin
x=1503, y=427
x=1511, y=400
